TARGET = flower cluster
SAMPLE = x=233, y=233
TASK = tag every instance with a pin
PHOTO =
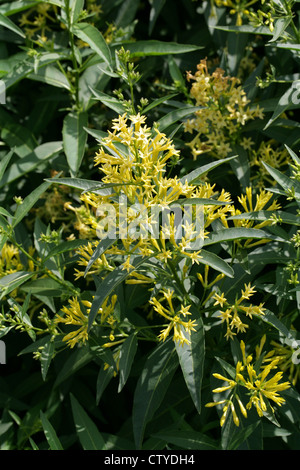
x=288, y=359
x=76, y=315
x=225, y=111
x=37, y=21
x=134, y=190
x=260, y=382
x=174, y=316
x=10, y=260
x=240, y=8
x=231, y=313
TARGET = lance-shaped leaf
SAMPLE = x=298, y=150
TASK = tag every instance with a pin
x=51, y=436
x=7, y=23
x=215, y=262
x=11, y=281
x=74, y=139
x=187, y=439
x=87, y=432
x=285, y=182
x=102, y=246
x=152, y=386
x=51, y=75
x=4, y=162
x=238, y=233
x=191, y=360
x=29, y=201
x=289, y=99
x=10, y=8
x=88, y=33
x=39, y=156
x=284, y=217
x=127, y=353
x=109, y=101
x=154, y=47
x=176, y=115
x=194, y=175
x=84, y=185
x=112, y=280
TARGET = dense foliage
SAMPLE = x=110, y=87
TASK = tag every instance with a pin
x=150, y=229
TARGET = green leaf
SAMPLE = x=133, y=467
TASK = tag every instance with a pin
x=126, y=14
x=242, y=436
x=194, y=175
x=96, y=133
x=103, y=379
x=88, y=434
x=50, y=433
x=65, y=247
x=237, y=233
x=75, y=10
x=88, y=33
x=176, y=115
x=152, y=386
x=109, y=101
x=293, y=155
x=127, y=353
x=191, y=440
x=109, y=283
x=51, y=75
x=270, y=318
x=289, y=99
x=215, y=262
x=29, y=201
x=154, y=47
x=44, y=286
x=240, y=165
x=245, y=28
x=4, y=162
x=31, y=161
x=279, y=27
x=200, y=200
x=4, y=212
x=74, y=139
x=102, y=246
x=286, y=217
x=15, y=135
x=285, y=182
x=10, y=282
x=25, y=67
x=75, y=361
x=13, y=7
x=157, y=102
x=79, y=183
x=156, y=6
x=191, y=360
x=33, y=444
x=7, y=23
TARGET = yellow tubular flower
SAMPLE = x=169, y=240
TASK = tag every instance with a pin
x=259, y=387
x=75, y=317
x=175, y=322
x=225, y=110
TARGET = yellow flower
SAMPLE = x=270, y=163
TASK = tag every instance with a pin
x=74, y=316
x=225, y=111
x=260, y=388
x=285, y=353
x=175, y=321
x=220, y=299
